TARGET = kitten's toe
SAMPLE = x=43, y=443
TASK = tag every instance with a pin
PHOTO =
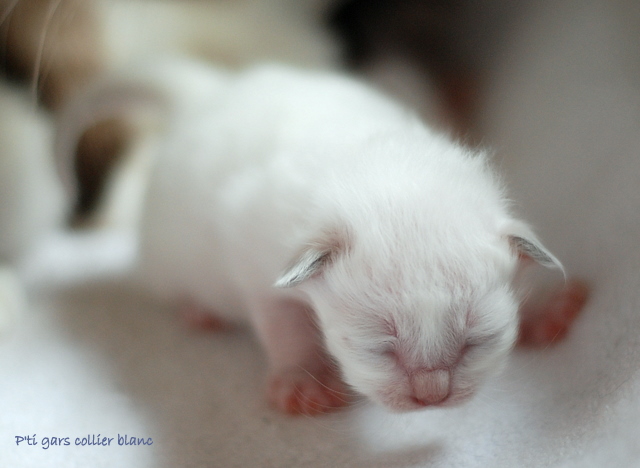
x=552, y=321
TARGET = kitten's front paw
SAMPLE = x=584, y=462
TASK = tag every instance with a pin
x=552, y=321
x=298, y=391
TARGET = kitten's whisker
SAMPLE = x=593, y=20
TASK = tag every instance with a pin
x=322, y=384
x=35, y=82
x=46, y=67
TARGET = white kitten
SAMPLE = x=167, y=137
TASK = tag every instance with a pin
x=333, y=220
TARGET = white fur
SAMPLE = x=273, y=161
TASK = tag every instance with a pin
x=397, y=238
x=31, y=198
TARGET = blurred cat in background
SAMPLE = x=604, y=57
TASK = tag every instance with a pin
x=58, y=46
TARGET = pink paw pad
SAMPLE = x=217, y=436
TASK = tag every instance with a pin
x=551, y=322
x=296, y=391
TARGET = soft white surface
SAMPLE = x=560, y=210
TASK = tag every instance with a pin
x=564, y=114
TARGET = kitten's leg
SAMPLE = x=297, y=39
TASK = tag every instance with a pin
x=550, y=321
x=302, y=378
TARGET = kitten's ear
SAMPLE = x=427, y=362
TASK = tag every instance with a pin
x=525, y=242
x=315, y=257
x=307, y=265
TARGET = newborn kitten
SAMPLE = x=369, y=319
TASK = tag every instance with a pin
x=363, y=247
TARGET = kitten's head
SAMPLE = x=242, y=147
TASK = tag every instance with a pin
x=416, y=324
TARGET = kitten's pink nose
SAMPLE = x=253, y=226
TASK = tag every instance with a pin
x=430, y=386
